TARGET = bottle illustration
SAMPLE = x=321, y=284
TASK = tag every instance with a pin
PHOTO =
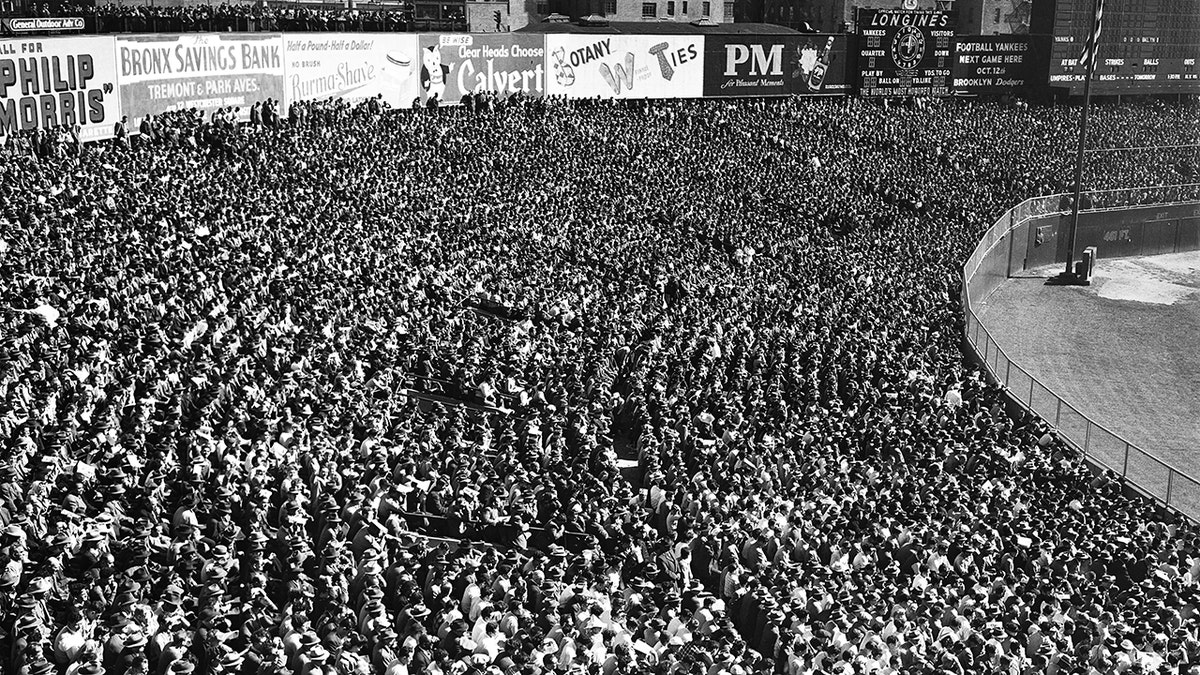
x=816, y=77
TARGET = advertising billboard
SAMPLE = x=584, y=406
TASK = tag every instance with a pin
x=626, y=66
x=205, y=71
x=451, y=66
x=905, y=52
x=351, y=66
x=50, y=82
x=998, y=64
x=775, y=65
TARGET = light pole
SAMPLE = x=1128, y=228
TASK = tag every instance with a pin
x=1091, y=52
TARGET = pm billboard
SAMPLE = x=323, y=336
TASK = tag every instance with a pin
x=351, y=66
x=457, y=64
x=626, y=66
x=774, y=65
x=51, y=82
x=205, y=71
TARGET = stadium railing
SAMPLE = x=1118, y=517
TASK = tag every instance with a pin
x=989, y=265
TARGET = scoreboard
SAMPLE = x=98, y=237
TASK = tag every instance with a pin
x=905, y=52
x=1146, y=46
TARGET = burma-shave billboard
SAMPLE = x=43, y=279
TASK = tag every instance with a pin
x=626, y=66
x=454, y=65
x=774, y=65
x=350, y=66
x=51, y=82
x=205, y=71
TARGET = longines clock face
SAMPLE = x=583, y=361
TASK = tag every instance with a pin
x=908, y=47
x=1018, y=18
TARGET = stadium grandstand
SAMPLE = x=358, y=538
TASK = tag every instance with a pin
x=547, y=384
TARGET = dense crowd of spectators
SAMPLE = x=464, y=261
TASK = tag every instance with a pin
x=553, y=387
x=250, y=17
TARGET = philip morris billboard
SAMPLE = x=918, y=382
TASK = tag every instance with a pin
x=206, y=71
x=451, y=66
x=626, y=66
x=350, y=66
x=50, y=82
x=774, y=65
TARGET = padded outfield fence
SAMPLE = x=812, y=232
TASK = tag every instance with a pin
x=1146, y=221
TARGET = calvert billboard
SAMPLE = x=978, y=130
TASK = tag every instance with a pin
x=626, y=66
x=205, y=71
x=775, y=65
x=351, y=66
x=50, y=82
x=454, y=65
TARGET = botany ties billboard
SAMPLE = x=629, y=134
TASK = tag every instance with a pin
x=626, y=66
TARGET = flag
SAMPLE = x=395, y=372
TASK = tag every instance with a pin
x=1089, y=49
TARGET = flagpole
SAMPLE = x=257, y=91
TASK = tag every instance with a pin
x=1083, y=125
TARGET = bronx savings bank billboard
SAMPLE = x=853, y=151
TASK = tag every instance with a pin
x=205, y=71
x=451, y=66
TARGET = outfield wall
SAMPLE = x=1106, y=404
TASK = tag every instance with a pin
x=1142, y=221
x=1116, y=233
x=94, y=81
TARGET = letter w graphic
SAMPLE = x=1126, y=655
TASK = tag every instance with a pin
x=615, y=76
